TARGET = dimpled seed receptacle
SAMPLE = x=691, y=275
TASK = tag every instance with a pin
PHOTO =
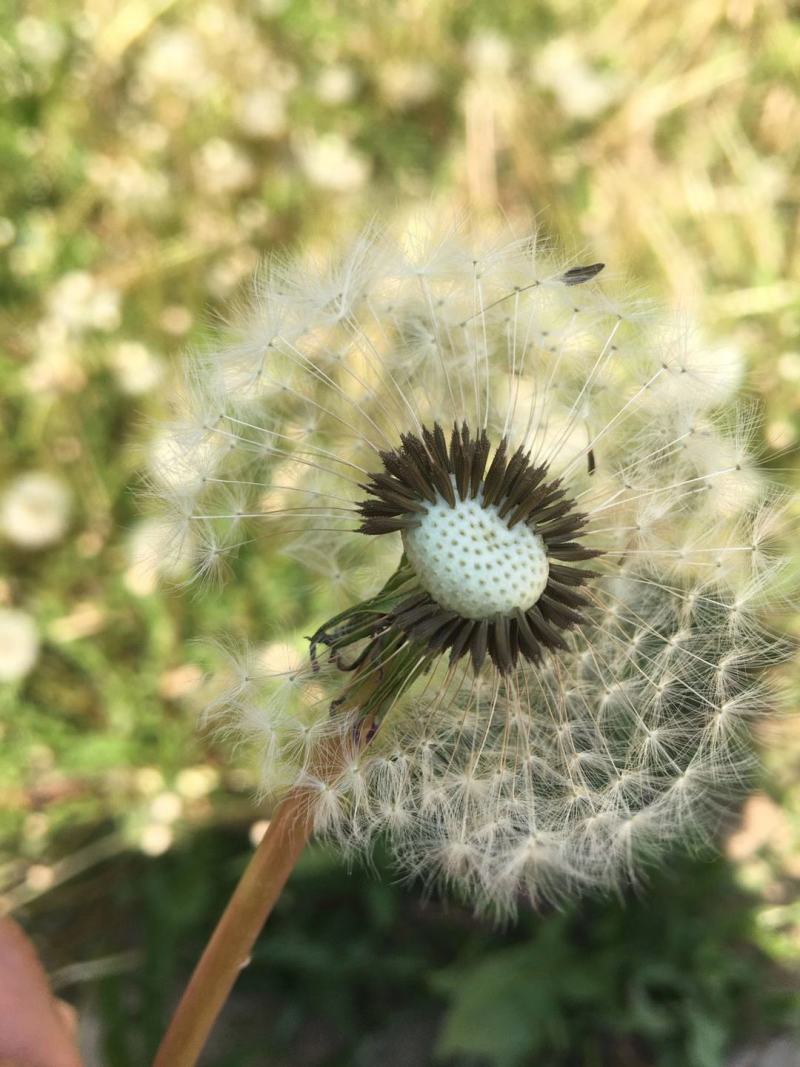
x=470, y=562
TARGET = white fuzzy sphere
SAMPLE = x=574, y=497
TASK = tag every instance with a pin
x=536, y=762
x=19, y=644
x=35, y=509
x=469, y=560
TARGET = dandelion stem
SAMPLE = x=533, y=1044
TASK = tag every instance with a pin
x=259, y=888
x=230, y=946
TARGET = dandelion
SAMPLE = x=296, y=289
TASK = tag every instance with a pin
x=555, y=678
x=35, y=510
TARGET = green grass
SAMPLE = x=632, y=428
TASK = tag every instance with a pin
x=685, y=180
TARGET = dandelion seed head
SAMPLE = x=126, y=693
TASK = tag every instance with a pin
x=35, y=510
x=550, y=543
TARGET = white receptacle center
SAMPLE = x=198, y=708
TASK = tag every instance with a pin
x=469, y=561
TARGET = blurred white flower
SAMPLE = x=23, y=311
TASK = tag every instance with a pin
x=262, y=112
x=35, y=510
x=789, y=366
x=149, y=780
x=126, y=182
x=174, y=59
x=406, y=83
x=331, y=162
x=8, y=231
x=222, y=167
x=56, y=366
x=582, y=92
x=166, y=808
x=155, y=839
x=194, y=783
x=336, y=85
x=136, y=369
x=780, y=434
x=41, y=42
x=19, y=644
x=252, y=215
x=490, y=53
x=82, y=302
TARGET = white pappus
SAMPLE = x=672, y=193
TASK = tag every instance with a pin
x=553, y=675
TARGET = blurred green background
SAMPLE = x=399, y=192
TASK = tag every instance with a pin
x=150, y=152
